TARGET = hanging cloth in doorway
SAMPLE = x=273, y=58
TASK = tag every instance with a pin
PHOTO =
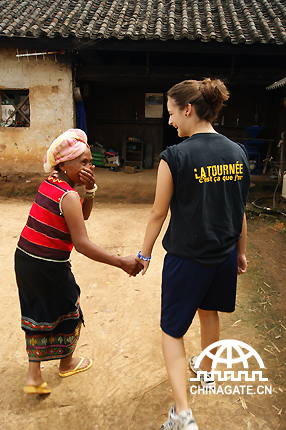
x=80, y=116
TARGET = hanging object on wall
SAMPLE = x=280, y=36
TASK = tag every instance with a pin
x=154, y=105
x=79, y=108
x=77, y=94
x=40, y=54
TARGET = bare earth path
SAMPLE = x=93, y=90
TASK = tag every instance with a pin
x=127, y=387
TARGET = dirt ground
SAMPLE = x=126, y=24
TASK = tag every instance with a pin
x=127, y=386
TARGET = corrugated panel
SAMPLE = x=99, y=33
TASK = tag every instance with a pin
x=277, y=84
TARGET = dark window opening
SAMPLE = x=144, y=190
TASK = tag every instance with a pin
x=15, y=108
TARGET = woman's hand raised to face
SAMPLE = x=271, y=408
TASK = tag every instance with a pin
x=87, y=177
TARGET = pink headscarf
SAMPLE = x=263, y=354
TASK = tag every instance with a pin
x=69, y=145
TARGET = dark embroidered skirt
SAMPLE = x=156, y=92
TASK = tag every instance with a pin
x=49, y=300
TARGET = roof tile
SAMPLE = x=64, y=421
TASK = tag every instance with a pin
x=234, y=21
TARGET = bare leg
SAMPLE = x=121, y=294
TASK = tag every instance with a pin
x=175, y=360
x=69, y=363
x=210, y=331
x=34, y=374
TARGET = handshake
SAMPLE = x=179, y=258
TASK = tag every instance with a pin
x=133, y=265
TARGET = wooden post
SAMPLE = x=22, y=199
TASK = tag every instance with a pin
x=283, y=154
x=267, y=157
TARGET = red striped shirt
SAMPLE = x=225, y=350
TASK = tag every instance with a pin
x=46, y=234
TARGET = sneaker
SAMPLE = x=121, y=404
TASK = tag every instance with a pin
x=183, y=421
x=207, y=379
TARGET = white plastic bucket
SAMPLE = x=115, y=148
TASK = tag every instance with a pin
x=284, y=186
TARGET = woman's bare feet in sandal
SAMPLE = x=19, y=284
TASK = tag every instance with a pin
x=35, y=379
x=71, y=365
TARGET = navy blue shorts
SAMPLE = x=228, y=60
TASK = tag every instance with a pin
x=187, y=286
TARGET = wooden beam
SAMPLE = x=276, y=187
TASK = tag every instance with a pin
x=154, y=45
x=132, y=74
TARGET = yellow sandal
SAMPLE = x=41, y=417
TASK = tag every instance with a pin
x=40, y=389
x=76, y=369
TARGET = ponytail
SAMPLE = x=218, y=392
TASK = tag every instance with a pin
x=207, y=96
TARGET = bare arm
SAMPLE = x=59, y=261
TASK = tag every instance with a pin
x=73, y=214
x=241, y=249
x=164, y=192
x=87, y=177
x=87, y=206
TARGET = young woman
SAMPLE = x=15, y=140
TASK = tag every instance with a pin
x=48, y=293
x=205, y=181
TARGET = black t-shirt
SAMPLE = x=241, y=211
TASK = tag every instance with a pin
x=211, y=183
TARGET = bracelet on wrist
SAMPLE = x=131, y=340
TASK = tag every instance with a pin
x=92, y=191
x=89, y=195
x=143, y=258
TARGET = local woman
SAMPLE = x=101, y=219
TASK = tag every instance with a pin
x=48, y=293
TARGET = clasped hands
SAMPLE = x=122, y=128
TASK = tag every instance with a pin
x=133, y=265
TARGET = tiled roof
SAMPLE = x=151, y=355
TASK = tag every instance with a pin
x=235, y=21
